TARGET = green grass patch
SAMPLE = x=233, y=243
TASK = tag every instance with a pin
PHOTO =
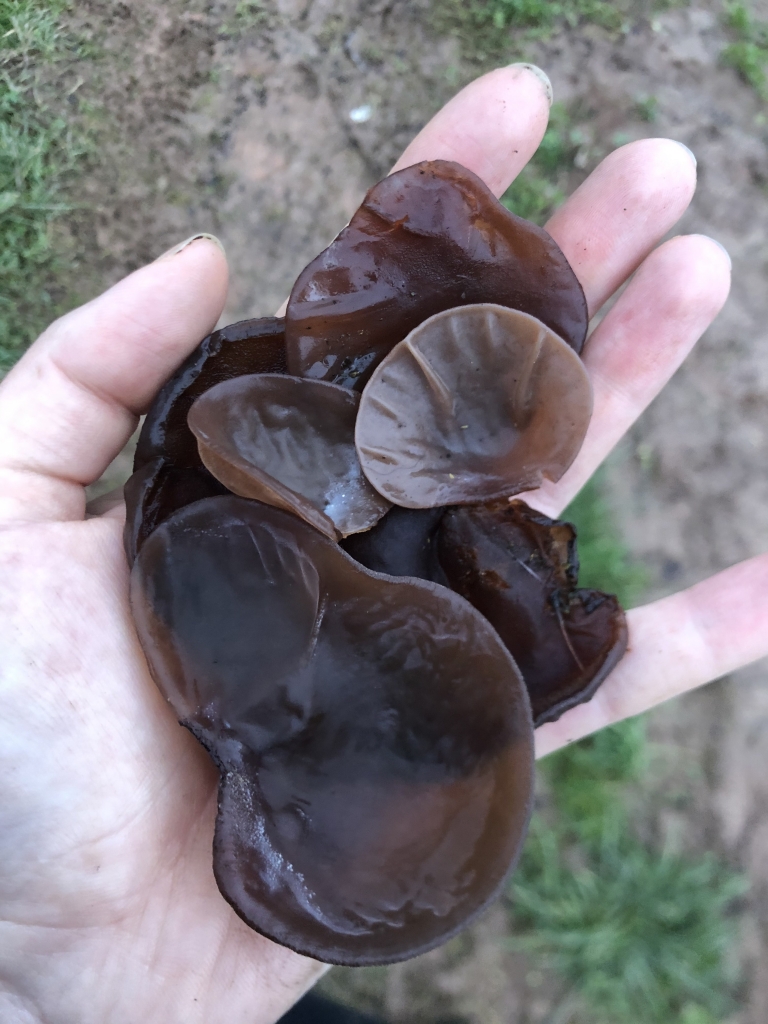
x=638, y=934
x=647, y=108
x=538, y=189
x=491, y=29
x=748, y=53
x=605, y=560
x=38, y=152
x=642, y=937
x=248, y=16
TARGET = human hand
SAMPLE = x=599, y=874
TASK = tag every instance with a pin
x=108, y=907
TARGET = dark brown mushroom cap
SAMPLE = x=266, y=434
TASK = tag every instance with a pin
x=520, y=570
x=476, y=403
x=168, y=472
x=402, y=543
x=250, y=346
x=291, y=443
x=373, y=735
x=425, y=239
x=155, y=491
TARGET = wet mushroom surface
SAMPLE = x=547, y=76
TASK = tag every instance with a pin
x=373, y=735
x=167, y=470
x=291, y=443
x=249, y=346
x=155, y=491
x=402, y=543
x=520, y=569
x=366, y=696
x=476, y=403
x=425, y=239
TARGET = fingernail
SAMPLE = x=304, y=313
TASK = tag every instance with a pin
x=721, y=246
x=690, y=152
x=542, y=77
x=176, y=249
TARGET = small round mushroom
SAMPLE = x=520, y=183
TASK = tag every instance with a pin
x=290, y=443
x=427, y=238
x=477, y=403
x=168, y=473
x=373, y=735
x=249, y=346
x=520, y=569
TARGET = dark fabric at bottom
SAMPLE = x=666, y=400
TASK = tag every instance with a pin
x=313, y=1009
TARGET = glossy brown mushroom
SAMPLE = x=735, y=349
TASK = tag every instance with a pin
x=402, y=543
x=520, y=570
x=168, y=472
x=155, y=491
x=476, y=403
x=373, y=735
x=249, y=346
x=290, y=443
x=425, y=239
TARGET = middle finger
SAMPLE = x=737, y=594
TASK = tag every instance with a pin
x=622, y=211
x=673, y=298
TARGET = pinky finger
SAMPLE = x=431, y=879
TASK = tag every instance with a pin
x=675, y=645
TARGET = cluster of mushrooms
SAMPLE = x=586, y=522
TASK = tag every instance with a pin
x=334, y=589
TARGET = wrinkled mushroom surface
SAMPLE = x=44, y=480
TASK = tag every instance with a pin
x=250, y=346
x=520, y=570
x=291, y=443
x=373, y=735
x=476, y=403
x=425, y=239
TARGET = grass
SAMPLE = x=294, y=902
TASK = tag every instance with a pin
x=248, y=16
x=490, y=29
x=748, y=53
x=605, y=560
x=647, y=108
x=641, y=936
x=38, y=152
x=537, y=190
x=638, y=934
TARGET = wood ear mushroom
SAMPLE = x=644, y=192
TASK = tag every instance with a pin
x=290, y=443
x=167, y=470
x=476, y=403
x=373, y=735
x=333, y=590
x=520, y=569
x=425, y=239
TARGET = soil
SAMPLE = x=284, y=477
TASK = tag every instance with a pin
x=267, y=127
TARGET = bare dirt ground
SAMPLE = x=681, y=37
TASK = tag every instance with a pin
x=248, y=133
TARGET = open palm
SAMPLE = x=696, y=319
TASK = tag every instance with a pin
x=109, y=913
